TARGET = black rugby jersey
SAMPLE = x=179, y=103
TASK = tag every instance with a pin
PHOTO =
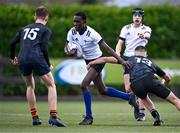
x=143, y=67
x=33, y=41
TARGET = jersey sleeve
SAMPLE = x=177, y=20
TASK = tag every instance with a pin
x=122, y=34
x=69, y=36
x=96, y=37
x=44, y=45
x=158, y=70
x=148, y=30
x=13, y=43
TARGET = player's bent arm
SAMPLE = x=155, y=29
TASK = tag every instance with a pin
x=119, y=47
x=44, y=50
x=13, y=43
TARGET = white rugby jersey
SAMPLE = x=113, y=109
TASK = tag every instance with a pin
x=88, y=41
x=130, y=35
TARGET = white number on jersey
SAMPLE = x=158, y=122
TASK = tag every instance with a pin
x=31, y=33
x=143, y=60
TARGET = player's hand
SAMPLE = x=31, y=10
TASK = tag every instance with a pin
x=88, y=65
x=14, y=61
x=128, y=90
x=51, y=67
x=72, y=53
x=127, y=64
x=141, y=35
x=164, y=82
x=166, y=79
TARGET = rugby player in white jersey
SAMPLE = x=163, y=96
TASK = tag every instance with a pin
x=131, y=36
x=90, y=42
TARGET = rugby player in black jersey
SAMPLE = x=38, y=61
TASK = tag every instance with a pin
x=143, y=80
x=33, y=59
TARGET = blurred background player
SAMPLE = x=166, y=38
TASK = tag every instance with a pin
x=90, y=40
x=143, y=80
x=33, y=58
x=133, y=35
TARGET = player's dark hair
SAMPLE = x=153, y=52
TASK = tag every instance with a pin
x=141, y=49
x=41, y=12
x=138, y=10
x=81, y=14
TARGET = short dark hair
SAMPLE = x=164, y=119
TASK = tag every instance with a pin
x=42, y=12
x=141, y=49
x=81, y=14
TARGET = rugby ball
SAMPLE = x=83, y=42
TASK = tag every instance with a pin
x=74, y=45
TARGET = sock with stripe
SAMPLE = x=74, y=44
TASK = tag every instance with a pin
x=34, y=113
x=142, y=110
x=53, y=114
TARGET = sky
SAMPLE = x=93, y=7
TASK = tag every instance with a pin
x=123, y=2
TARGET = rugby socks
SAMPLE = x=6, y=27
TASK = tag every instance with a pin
x=87, y=101
x=142, y=110
x=155, y=114
x=112, y=92
x=53, y=114
x=34, y=113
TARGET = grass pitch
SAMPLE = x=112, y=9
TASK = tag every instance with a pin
x=109, y=117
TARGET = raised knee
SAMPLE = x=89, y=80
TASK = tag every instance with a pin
x=102, y=92
x=84, y=86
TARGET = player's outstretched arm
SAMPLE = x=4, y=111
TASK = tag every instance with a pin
x=113, y=53
x=103, y=60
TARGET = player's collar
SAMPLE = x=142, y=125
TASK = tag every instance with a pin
x=81, y=33
x=138, y=26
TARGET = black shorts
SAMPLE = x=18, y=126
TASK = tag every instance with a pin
x=126, y=70
x=39, y=69
x=97, y=67
x=149, y=84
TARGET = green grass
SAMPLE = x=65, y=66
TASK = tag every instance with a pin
x=109, y=117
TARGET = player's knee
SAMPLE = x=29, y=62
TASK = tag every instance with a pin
x=84, y=86
x=30, y=87
x=50, y=84
x=102, y=92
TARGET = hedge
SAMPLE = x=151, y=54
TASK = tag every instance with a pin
x=163, y=19
x=108, y=21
